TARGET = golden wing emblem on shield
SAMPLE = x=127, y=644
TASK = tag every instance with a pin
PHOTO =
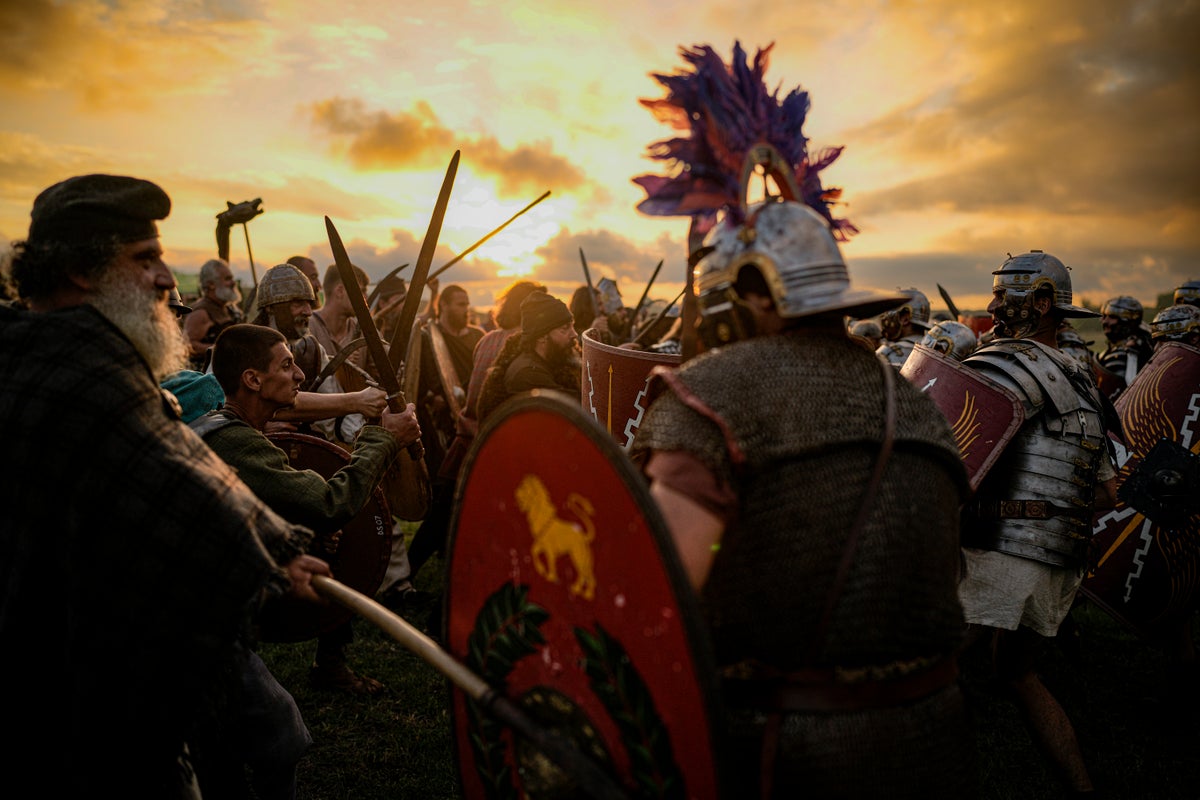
x=966, y=427
x=554, y=536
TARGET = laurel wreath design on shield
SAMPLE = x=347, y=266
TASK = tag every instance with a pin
x=631, y=706
x=507, y=629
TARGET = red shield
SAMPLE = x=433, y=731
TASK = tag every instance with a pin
x=360, y=551
x=1144, y=574
x=983, y=414
x=615, y=385
x=565, y=593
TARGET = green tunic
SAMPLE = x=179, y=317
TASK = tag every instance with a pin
x=303, y=496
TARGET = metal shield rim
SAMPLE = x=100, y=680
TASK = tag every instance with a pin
x=696, y=632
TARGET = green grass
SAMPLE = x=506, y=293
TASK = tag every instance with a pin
x=398, y=744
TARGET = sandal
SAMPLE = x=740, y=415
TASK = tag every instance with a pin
x=340, y=678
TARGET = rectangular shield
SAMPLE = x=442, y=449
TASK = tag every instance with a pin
x=983, y=414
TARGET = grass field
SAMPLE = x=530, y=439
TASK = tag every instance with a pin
x=398, y=745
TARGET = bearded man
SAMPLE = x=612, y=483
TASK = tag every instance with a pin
x=543, y=355
x=127, y=596
x=219, y=307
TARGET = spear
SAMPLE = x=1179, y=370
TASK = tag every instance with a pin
x=642, y=299
x=464, y=253
x=650, y=325
x=587, y=276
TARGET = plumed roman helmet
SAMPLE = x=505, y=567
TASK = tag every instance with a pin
x=954, y=339
x=1024, y=276
x=1188, y=292
x=793, y=248
x=1176, y=322
x=738, y=128
x=283, y=283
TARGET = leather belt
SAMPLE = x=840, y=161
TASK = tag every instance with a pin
x=816, y=690
x=1024, y=509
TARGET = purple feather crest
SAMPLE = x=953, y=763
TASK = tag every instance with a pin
x=726, y=110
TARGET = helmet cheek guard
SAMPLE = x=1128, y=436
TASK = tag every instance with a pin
x=724, y=318
x=1019, y=317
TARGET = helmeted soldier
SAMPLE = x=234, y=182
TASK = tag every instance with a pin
x=1026, y=531
x=284, y=301
x=1129, y=346
x=1070, y=342
x=951, y=338
x=904, y=327
x=1187, y=293
x=1177, y=323
x=869, y=330
x=765, y=495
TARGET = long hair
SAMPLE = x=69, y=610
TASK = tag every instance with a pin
x=494, y=390
x=508, y=304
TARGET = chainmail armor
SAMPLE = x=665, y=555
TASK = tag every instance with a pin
x=801, y=424
x=809, y=442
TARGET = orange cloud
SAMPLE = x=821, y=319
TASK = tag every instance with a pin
x=379, y=140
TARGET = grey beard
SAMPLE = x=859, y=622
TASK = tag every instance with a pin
x=229, y=294
x=147, y=321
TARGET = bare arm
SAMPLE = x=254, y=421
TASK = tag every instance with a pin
x=313, y=406
x=197, y=325
x=695, y=531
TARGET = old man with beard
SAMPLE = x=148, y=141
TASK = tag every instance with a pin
x=133, y=560
x=219, y=307
x=543, y=355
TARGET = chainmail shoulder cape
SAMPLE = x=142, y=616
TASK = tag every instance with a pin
x=788, y=395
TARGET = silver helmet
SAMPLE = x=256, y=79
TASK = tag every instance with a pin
x=954, y=339
x=1176, y=322
x=1124, y=308
x=1188, y=292
x=1021, y=278
x=917, y=307
x=175, y=301
x=283, y=283
x=794, y=250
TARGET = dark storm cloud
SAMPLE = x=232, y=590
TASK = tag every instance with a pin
x=379, y=140
x=1077, y=108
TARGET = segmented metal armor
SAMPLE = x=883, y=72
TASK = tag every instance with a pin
x=897, y=352
x=1036, y=502
x=1129, y=346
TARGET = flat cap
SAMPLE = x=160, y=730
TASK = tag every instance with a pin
x=89, y=207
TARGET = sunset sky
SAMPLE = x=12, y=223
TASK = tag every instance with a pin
x=971, y=130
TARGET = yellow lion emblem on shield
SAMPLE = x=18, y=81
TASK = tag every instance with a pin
x=554, y=537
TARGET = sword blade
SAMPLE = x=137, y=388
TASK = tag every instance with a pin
x=416, y=288
x=949, y=303
x=366, y=325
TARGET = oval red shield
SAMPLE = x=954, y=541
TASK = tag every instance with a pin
x=564, y=592
x=363, y=547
